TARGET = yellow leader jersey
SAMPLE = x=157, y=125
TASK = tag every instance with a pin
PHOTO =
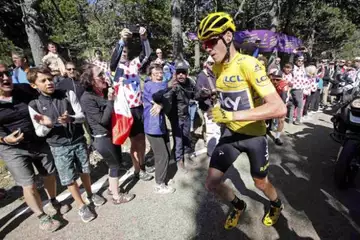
x=241, y=85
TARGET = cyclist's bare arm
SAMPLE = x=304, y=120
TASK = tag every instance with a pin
x=273, y=107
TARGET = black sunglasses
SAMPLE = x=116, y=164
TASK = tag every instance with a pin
x=181, y=71
x=71, y=69
x=7, y=73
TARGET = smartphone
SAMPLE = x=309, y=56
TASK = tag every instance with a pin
x=19, y=132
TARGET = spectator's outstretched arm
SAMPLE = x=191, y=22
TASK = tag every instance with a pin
x=145, y=44
x=79, y=116
x=40, y=130
x=115, y=57
x=92, y=111
x=165, y=98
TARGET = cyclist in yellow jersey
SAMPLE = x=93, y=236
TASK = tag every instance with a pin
x=247, y=98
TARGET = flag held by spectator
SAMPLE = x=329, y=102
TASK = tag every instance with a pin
x=122, y=119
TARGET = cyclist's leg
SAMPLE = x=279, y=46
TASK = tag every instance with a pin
x=222, y=158
x=257, y=150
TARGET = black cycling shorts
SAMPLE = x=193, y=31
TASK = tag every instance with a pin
x=138, y=124
x=231, y=145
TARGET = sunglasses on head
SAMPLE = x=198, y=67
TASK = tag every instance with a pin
x=211, y=43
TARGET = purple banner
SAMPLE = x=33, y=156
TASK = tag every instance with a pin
x=267, y=41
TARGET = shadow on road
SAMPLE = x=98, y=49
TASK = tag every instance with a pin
x=302, y=172
x=304, y=178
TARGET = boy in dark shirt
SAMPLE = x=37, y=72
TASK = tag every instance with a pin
x=57, y=115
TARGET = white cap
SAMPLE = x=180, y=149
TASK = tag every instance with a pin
x=210, y=59
x=357, y=58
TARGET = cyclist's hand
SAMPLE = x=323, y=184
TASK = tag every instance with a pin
x=220, y=115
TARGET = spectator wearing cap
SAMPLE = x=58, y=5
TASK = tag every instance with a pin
x=282, y=87
x=206, y=96
x=175, y=102
x=298, y=83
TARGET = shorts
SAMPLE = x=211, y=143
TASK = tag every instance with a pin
x=70, y=161
x=20, y=161
x=231, y=145
x=138, y=125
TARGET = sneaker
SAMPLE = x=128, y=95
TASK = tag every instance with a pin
x=124, y=198
x=150, y=169
x=58, y=207
x=272, y=215
x=163, y=189
x=86, y=214
x=297, y=122
x=142, y=175
x=96, y=200
x=49, y=224
x=279, y=142
x=181, y=167
x=233, y=218
x=189, y=159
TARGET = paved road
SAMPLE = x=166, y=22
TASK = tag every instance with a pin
x=301, y=170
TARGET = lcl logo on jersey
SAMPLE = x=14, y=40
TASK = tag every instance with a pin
x=262, y=81
x=230, y=81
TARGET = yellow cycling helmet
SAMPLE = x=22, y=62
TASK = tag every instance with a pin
x=215, y=24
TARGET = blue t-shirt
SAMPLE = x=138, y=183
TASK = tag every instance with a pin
x=19, y=76
x=154, y=125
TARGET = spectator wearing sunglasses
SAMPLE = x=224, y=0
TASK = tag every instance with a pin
x=176, y=102
x=298, y=80
x=21, y=67
x=71, y=80
x=21, y=149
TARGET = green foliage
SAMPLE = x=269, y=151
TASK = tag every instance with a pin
x=5, y=48
x=81, y=26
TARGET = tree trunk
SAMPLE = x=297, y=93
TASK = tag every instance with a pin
x=274, y=15
x=176, y=29
x=197, y=44
x=34, y=29
x=311, y=42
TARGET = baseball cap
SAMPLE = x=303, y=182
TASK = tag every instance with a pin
x=181, y=65
x=275, y=73
x=357, y=59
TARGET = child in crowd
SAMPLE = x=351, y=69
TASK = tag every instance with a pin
x=283, y=89
x=57, y=115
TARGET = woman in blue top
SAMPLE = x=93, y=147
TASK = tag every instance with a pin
x=155, y=128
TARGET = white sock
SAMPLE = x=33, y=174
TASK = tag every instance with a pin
x=277, y=135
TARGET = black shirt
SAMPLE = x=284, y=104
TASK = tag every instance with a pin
x=15, y=115
x=98, y=112
x=71, y=84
